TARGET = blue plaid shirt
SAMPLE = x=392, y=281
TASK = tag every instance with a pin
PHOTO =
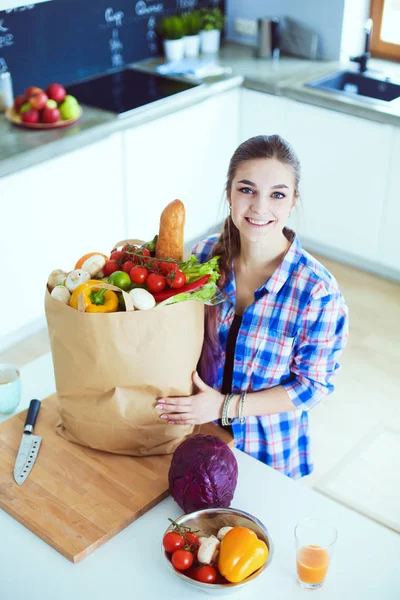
x=292, y=335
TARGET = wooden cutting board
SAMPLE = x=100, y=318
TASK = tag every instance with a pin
x=76, y=498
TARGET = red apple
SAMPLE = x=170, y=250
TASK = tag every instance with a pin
x=31, y=116
x=18, y=102
x=32, y=90
x=50, y=115
x=55, y=91
x=38, y=101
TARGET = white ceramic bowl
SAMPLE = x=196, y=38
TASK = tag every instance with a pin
x=209, y=521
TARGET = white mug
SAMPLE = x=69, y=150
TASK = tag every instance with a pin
x=10, y=388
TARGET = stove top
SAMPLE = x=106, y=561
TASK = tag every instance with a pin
x=122, y=91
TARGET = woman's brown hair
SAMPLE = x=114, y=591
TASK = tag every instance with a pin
x=228, y=244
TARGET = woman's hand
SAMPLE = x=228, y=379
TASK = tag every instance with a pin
x=203, y=407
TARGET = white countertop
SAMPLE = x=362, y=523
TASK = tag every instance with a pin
x=130, y=565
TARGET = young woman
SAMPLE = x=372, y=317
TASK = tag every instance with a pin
x=282, y=326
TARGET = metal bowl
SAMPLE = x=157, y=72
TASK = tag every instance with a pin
x=209, y=521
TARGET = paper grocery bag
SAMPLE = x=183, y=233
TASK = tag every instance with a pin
x=110, y=369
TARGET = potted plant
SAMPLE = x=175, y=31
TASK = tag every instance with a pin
x=172, y=31
x=210, y=36
x=192, y=23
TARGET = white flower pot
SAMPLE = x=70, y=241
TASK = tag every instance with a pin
x=174, y=49
x=209, y=41
x=192, y=45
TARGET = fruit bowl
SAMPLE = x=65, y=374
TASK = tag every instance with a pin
x=209, y=521
x=15, y=118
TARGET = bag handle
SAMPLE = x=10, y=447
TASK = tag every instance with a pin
x=132, y=242
x=107, y=286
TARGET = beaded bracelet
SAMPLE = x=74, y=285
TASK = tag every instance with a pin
x=225, y=408
x=241, y=418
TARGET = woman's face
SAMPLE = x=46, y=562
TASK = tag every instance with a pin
x=262, y=196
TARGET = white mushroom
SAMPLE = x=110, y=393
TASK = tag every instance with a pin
x=75, y=278
x=142, y=299
x=55, y=278
x=94, y=264
x=61, y=293
x=222, y=532
x=208, y=551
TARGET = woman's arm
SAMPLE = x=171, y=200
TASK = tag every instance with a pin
x=320, y=341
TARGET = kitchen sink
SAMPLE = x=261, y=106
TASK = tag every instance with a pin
x=352, y=83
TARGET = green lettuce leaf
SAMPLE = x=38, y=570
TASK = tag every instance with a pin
x=209, y=294
x=195, y=270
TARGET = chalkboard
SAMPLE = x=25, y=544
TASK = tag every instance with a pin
x=68, y=40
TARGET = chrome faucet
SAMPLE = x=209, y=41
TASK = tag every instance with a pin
x=363, y=58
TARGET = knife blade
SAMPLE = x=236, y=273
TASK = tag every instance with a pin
x=29, y=447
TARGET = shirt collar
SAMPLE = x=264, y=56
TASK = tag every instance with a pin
x=287, y=266
x=279, y=277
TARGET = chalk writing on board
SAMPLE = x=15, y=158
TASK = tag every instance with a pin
x=116, y=47
x=142, y=9
x=20, y=8
x=6, y=38
x=186, y=4
x=114, y=17
x=151, y=35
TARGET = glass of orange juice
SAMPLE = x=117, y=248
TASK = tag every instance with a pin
x=315, y=540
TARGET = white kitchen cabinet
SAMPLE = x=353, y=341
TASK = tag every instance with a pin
x=262, y=114
x=183, y=155
x=51, y=215
x=344, y=169
x=390, y=198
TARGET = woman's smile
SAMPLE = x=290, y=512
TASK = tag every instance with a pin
x=258, y=222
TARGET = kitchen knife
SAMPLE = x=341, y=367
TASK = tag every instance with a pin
x=29, y=446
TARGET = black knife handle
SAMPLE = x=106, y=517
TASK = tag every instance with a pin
x=33, y=412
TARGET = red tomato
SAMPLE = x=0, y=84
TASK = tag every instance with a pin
x=206, y=574
x=182, y=559
x=127, y=266
x=168, y=267
x=155, y=283
x=145, y=251
x=173, y=541
x=178, y=279
x=110, y=267
x=128, y=247
x=192, y=540
x=138, y=274
x=116, y=255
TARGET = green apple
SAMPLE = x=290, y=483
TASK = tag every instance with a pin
x=51, y=104
x=69, y=110
x=70, y=99
x=24, y=108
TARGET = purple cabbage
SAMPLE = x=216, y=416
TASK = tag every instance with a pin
x=203, y=473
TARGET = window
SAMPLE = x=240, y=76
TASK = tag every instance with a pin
x=385, y=41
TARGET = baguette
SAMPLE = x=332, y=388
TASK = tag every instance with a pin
x=170, y=237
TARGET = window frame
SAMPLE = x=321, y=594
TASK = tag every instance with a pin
x=378, y=47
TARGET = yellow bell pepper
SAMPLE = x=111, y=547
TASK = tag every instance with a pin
x=97, y=300
x=241, y=554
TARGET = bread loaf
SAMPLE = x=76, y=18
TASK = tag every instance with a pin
x=171, y=237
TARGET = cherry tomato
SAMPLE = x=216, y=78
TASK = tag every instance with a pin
x=192, y=540
x=109, y=268
x=155, y=283
x=178, y=279
x=167, y=267
x=182, y=559
x=173, y=541
x=206, y=574
x=116, y=255
x=128, y=265
x=128, y=247
x=138, y=274
x=145, y=251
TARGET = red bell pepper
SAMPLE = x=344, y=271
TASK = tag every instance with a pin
x=189, y=287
